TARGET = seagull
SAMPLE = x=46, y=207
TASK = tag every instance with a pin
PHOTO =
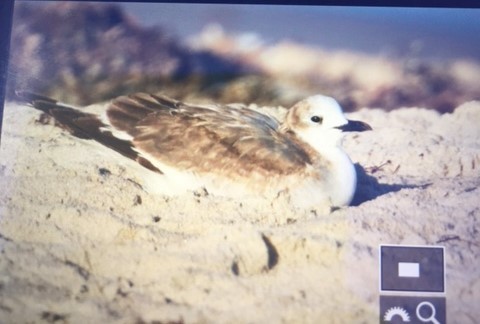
x=226, y=150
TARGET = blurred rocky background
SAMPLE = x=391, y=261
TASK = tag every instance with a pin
x=83, y=53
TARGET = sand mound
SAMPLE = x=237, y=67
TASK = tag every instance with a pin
x=82, y=242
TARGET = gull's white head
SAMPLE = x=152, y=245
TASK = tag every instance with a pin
x=320, y=122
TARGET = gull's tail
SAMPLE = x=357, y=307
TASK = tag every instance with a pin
x=83, y=125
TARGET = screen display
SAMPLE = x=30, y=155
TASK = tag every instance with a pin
x=240, y=163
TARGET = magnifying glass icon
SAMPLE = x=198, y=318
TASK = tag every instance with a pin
x=433, y=312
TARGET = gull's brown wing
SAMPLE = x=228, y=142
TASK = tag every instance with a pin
x=234, y=141
x=84, y=125
x=202, y=138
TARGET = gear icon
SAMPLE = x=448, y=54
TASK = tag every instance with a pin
x=394, y=311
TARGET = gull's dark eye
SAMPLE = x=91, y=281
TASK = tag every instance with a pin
x=316, y=119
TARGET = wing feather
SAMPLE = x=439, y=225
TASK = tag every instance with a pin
x=234, y=140
x=84, y=125
x=198, y=137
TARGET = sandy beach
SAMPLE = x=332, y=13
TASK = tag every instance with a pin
x=81, y=241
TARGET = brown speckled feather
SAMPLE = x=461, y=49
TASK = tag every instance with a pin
x=199, y=138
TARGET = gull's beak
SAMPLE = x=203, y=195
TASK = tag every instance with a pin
x=354, y=126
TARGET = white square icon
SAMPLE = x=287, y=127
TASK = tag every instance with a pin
x=409, y=269
x=412, y=268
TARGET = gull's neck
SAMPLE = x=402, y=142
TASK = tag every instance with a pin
x=342, y=178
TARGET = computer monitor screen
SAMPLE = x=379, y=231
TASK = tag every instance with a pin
x=240, y=163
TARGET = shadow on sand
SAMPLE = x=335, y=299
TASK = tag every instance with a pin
x=368, y=187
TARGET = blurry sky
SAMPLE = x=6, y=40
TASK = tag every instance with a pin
x=424, y=32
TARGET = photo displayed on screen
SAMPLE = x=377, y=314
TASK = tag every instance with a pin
x=234, y=163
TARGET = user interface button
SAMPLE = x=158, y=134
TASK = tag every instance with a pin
x=412, y=268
